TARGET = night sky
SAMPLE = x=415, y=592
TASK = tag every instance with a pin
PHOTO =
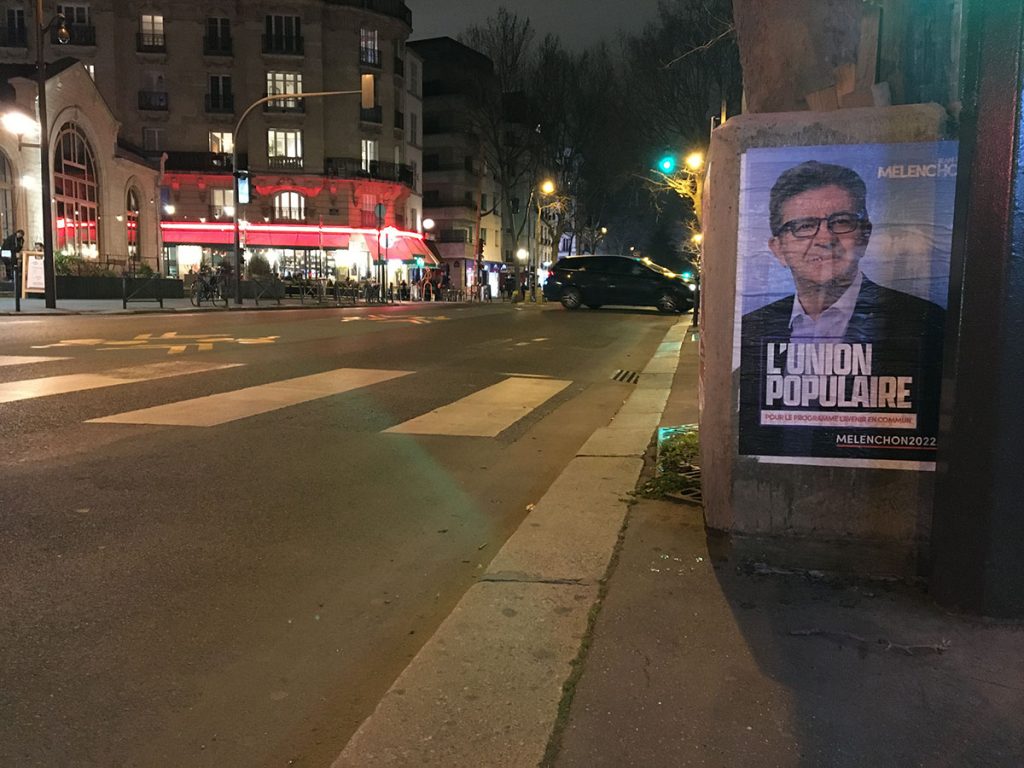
x=579, y=23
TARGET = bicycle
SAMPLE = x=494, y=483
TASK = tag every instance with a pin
x=209, y=286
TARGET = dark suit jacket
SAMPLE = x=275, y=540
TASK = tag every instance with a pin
x=906, y=333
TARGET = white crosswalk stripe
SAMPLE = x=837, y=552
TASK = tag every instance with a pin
x=225, y=407
x=25, y=360
x=28, y=389
x=486, y=413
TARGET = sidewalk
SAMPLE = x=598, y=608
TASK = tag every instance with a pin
x=699, y=659
x=114, y=306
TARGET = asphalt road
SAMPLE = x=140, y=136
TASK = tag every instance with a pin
x=242, y=594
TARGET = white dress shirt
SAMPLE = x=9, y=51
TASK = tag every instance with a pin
x=831, y=324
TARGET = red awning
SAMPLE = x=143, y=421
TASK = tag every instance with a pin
x=406, y=245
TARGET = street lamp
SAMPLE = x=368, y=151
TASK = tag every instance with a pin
x=63, y=37
x=366, y=91
x=546, y=188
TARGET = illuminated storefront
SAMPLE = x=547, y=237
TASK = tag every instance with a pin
x=299, y=250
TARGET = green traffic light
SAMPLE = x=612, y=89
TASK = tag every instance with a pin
x=687, y=275
x=667, y=164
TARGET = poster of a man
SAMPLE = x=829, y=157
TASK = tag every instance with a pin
x=840, y=362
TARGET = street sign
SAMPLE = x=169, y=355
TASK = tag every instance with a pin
x=382, y=211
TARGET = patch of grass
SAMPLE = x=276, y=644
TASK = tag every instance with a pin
x=678, y=455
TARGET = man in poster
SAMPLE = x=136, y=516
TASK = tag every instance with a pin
x=844, y=367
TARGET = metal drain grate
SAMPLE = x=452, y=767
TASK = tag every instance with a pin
x=629, y=377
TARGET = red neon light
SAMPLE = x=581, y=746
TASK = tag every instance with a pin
x=200, y=228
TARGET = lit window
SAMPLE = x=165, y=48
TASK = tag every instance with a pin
x=76, y=194
x=369, y=47
x=284, y=148
x=222, y=203
x=279, y=83
x=151, y=32
x=289, y=206
x=222, y=142
x=369, y=153
x=131, y=210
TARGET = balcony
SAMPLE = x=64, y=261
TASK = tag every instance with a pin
x=370, y=57
x=284, y=105
x=153, y=101
x=13, y=37
x=399, y=121
x=353, y=168
x=453, y=236
x=284, y=45
x=372, y=115
x=448, y=202
x=206, y=162
x=220, y=45
x=399, y=67
x=280, y=163
x=220, y=103
x=150, y=42
x=81, y=34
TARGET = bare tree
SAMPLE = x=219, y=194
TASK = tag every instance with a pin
x=680, y=70
x=503, y=118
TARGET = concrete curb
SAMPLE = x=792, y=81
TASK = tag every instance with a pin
x=486, y=688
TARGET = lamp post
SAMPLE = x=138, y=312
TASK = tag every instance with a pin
x=366, y=91
x=546, y=189
x=698, y=241
x=63, y=37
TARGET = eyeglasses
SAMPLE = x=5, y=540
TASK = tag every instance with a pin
x=842, y=223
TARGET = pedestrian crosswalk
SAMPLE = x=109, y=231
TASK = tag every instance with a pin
x=213, y=410
x=483, y=413
x=486, y=413
x=7, y=360
x=28, y=389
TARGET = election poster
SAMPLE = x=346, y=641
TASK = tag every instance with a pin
x=842, y=281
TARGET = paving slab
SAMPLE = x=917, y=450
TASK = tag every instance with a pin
x=699, y=659
x=485, y=689
x=572, y=531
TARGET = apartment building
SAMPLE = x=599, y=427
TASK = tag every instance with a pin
x=325, y=176
x=459, y=191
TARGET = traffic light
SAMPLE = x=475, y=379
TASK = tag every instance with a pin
x=687, y=275
x=667, y=164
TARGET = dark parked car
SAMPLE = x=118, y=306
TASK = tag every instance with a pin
x=598, y=280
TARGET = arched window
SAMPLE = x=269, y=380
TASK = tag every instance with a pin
x=76, y=192
x=131, y=222
x=290, y=206
x=7, y=223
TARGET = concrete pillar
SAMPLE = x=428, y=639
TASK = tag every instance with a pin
x=978, y=534
x=868, y=520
